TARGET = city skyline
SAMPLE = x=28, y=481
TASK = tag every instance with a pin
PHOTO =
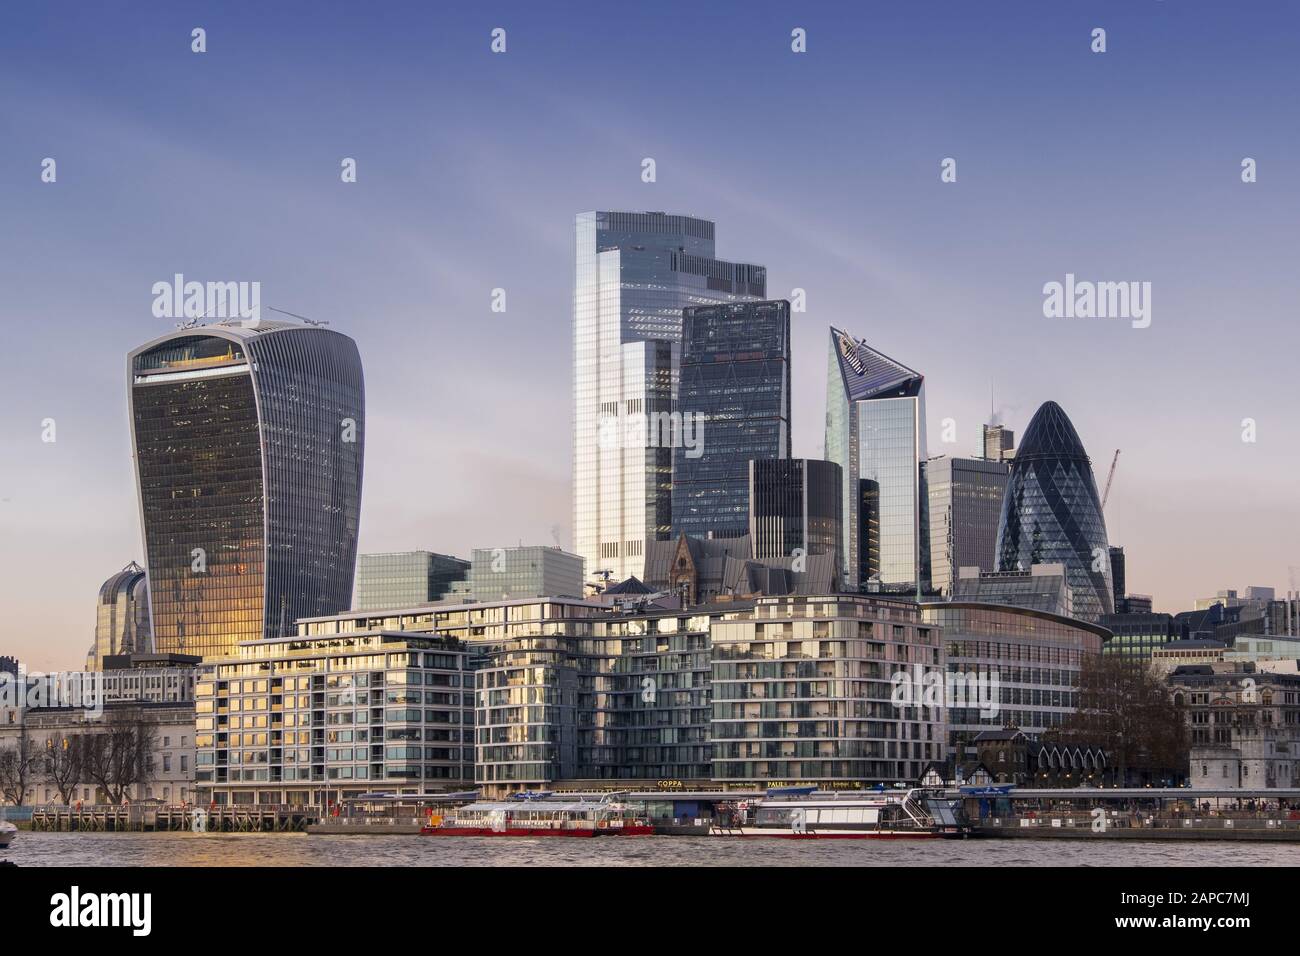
x=902, y=270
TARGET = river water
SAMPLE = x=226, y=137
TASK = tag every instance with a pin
x=297, y=850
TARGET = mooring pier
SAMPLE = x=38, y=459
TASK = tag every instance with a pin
x=144, y=819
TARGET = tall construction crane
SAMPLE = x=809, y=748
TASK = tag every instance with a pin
x=1109, y=478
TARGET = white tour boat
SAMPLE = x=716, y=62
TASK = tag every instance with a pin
x=810, y=815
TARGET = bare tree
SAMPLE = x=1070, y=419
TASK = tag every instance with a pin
x=1127, y=710
x=118, y=756
x=65, y=765
x=18, y=768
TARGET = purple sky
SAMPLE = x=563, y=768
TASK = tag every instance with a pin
x=822, y=166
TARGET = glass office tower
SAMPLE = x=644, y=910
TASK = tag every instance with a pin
x=1052, y=514
x=634, y=274
x=965, y=506
x=735, y=379
x=794, y=503
x=1118, y=582
x=875, y=432
x=248, y=443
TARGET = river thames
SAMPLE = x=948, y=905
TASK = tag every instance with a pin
x=305, y=850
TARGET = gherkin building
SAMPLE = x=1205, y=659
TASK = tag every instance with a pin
x=1051, y=513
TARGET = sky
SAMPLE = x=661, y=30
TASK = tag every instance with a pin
x=823, y=166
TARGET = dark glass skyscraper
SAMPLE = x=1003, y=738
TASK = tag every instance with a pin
x=248, y=442
x=1117, y=578
x=794, y=503
x=965, y=508
x=735, y=380
x=1052, y=513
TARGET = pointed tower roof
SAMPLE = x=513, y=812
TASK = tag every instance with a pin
x=1051, y=434
x=871, y=374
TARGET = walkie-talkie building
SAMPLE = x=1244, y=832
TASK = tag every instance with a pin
x=248, y=442
x=1051, y=513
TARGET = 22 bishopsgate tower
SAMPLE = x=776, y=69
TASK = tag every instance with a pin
x=635, y=273
x=248, y=442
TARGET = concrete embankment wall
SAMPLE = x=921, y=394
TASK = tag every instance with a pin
x=1084, y=831
x=354, y=829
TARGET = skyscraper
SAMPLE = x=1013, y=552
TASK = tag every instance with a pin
x=248, y=443
x=1052, y=514
x=635, y=273
x=735, y=387
x=794, y=503
x=965, y=506
x=999, y=442
x=875, y=432
x=121, y=617
x=1118, y=583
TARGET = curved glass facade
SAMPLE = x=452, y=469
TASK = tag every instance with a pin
x=248, y=445
x=121, y=617
x=1034, y=658
x=794, y=503
x=1052, y=514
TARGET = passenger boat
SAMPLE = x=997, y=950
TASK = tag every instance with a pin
x=7, y=833
x=812, y=815
x=540, y=818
